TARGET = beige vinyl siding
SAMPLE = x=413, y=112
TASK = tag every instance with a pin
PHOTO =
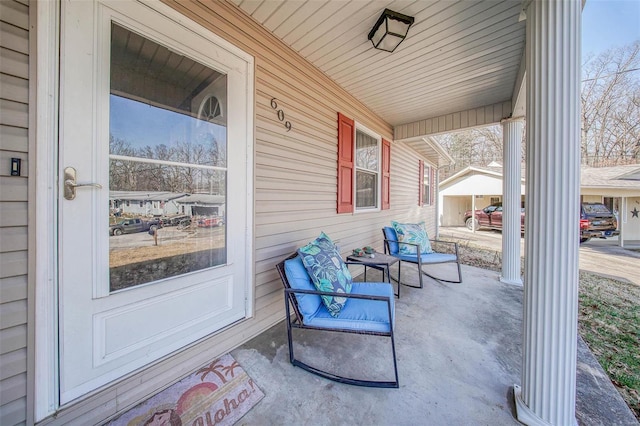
x=295, y=189
x=14, y=142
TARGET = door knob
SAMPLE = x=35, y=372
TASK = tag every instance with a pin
x=70, y=183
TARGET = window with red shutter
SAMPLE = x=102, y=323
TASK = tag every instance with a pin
x=427, y=179
x=364, y=168
x=420, y=182
x=432, y=185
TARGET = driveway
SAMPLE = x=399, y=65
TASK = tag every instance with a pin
x=603, y=257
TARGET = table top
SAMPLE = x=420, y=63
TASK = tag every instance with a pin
x=379, y=259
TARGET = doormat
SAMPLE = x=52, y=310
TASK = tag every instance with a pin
x=218, y=394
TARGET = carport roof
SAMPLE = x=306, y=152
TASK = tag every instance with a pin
x=621, y=177
x=471, y=170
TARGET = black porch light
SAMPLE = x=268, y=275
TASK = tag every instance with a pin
x=390, y=29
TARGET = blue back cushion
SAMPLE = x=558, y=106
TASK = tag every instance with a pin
x=414, y=233
x=327, y=270
x=390, y=234
x=299, y=280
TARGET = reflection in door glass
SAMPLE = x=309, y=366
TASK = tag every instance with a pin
x=167, y=168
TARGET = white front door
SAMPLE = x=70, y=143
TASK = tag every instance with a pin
x=155, y=130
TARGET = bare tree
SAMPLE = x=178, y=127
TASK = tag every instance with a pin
x=610, y=117
x=131, y=175
x=123, y=174
x=611, y=107
x=474, y=147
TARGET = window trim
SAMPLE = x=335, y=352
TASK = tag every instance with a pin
x=345, y=197
x=378, y=207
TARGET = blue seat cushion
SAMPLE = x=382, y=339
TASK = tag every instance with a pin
x=429, y=258
x=360, y=314
x=390, y=234
x=299, y=279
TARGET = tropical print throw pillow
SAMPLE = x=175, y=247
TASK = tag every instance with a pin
x=327, y=271
x=415, y=233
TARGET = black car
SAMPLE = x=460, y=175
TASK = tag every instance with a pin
x=597, y=221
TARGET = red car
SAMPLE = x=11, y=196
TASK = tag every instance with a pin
x=490, y=217
x=210, y=222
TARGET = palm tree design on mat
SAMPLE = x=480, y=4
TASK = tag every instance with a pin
x=216, y=367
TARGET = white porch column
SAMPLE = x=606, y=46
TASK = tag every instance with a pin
x=511, y=185
x=473, y=210
x=622, y=216
x=547, y=394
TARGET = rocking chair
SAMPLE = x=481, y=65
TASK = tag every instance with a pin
x=370, y=309
x=392, y=247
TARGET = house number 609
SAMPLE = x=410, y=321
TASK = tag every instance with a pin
x=274, y=105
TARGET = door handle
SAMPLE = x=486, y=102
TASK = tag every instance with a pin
x=70, y=183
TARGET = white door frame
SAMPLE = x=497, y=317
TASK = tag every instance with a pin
x=43, y=255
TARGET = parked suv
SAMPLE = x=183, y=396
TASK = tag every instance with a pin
x=597, y=221
x=130, y=226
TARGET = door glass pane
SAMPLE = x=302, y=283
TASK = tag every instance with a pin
x=167, y=167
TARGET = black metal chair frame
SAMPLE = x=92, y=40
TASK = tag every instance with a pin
x=387, y=250
x=297, y=322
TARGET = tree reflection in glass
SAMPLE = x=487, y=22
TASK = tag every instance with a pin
x=167, y=163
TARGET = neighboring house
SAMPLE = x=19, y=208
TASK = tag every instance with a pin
x=159, y=203
x=618, y=187
x=285, y=105
x=149, y=203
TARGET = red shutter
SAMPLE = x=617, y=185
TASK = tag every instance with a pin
x=386, y=174
x=346, y=135
x=420, y=182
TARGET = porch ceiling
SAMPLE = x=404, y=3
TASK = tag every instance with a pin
x=457, y=55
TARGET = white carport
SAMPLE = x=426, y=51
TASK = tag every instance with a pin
x=617, y=186
x=472, y=187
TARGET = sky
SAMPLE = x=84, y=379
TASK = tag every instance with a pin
x=154, y=126
x=609, y=23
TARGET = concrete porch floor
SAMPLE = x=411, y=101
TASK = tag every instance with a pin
x=459, y=354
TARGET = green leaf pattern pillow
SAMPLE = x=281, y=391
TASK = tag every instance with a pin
x=327, y=271
x=415, y=233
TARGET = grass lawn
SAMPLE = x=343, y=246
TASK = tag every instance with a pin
x=608, y=321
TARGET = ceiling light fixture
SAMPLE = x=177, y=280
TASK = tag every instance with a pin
x=390, y=29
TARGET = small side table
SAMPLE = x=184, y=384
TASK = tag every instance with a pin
x=381, y=262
